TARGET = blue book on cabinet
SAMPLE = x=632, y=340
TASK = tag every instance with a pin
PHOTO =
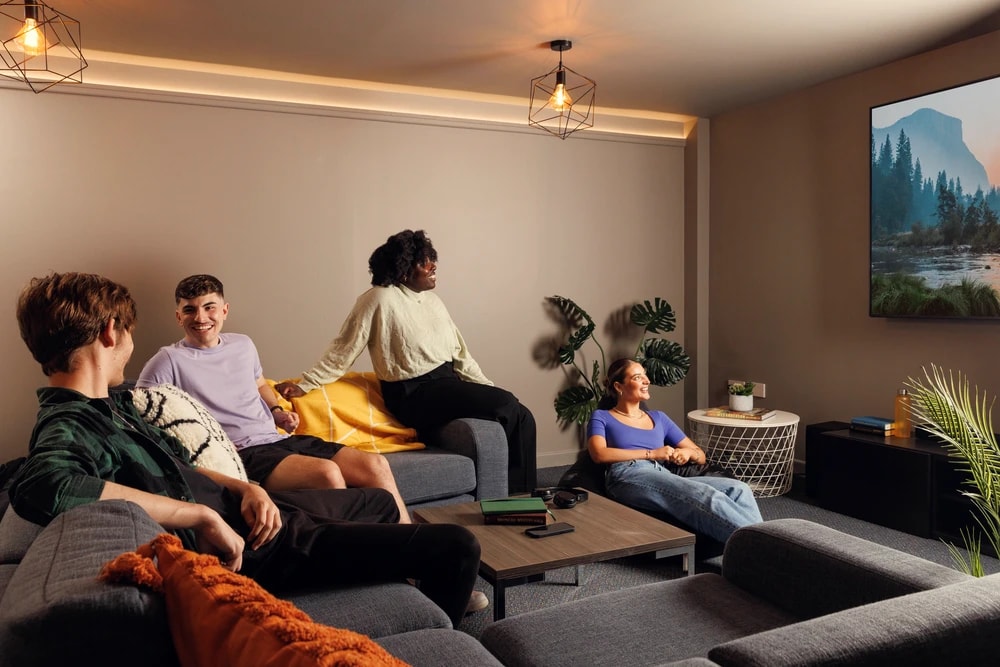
x=876, y=423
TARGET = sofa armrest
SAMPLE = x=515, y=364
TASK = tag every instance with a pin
x=485, y=443
x=56, y=612
x=810, y=570
x=951, y=625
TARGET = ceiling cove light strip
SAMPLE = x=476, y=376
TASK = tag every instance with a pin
x=127, y=76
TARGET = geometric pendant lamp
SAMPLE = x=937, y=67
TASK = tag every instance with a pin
x=562, y=101
x=39, y=45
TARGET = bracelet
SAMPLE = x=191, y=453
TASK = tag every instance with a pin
x=277, y=407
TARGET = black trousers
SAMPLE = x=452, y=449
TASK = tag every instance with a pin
x=436, y=398
x=350, y=536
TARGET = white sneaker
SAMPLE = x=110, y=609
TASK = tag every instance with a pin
x=477, y=602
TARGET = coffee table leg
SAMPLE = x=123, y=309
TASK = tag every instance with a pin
x=686, y=553
x=499, y=600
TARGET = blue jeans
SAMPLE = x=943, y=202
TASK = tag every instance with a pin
x=712, y=506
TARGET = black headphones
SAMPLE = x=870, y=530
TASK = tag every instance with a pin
x=563, y=497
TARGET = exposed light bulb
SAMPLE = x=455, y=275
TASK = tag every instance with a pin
x=30, y=38
x=560, y=100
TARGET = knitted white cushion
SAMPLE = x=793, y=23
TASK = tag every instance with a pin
x=182, y=416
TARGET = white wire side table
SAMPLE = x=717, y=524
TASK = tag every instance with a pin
x=760, y=453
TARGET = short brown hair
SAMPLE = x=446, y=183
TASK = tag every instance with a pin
x=62, y=312
x=197, y=285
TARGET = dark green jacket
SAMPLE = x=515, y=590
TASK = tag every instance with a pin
x=78, y=443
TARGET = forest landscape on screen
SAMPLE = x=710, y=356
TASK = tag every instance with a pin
x=935, y=207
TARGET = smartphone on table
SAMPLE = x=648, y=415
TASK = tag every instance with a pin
x=557, y=528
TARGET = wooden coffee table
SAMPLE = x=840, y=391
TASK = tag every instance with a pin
x=604, y=530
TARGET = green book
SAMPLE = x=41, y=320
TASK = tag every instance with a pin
x=512, y=505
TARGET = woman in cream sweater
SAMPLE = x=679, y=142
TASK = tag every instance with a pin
x=427, y=375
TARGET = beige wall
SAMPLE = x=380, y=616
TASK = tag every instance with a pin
x=789, y=249
x=285, y=209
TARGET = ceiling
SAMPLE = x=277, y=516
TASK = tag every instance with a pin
x=695, y=57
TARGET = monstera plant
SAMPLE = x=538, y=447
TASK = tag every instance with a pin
x=665, y=361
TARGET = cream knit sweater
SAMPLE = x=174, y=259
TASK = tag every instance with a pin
x=407, y=334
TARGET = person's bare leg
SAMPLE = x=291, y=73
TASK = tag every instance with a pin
x=349, y=467
x=362, y=469
x=304, y=472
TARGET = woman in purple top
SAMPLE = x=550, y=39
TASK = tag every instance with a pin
x=635, y=445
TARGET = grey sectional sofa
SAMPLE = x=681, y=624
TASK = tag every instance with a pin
x=53, y=611
x=791, y=592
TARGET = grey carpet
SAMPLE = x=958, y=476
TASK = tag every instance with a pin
x=597, y=578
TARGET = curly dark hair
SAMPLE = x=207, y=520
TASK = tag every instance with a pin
x=394, y=261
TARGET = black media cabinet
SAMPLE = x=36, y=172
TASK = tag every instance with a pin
x=908, y=484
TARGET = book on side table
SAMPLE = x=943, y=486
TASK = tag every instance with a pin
x=756, y=414
x=515, y=511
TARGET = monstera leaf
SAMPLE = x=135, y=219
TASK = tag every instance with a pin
x=654, y=318
x=581, y=327
x=665, y=361
x=575, y=404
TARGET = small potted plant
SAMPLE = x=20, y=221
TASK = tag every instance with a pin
x=741, y=396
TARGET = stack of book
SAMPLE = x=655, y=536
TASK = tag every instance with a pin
x=756, y=414
x=876, y=425
x=515, y=511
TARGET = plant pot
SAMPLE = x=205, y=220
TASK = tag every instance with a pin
x=740, y=403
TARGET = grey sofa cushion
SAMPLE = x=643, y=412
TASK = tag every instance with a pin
x=7, y=571
x=646, y=625
x=377, y=611
x=16, y=535
x=430, y=474
x=953, y=625
x=55, y=611
x=438, y=648
x=811, y=570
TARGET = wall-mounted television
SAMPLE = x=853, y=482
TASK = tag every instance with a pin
x=935, y=205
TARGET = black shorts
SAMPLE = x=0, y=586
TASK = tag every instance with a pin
x=261, y=460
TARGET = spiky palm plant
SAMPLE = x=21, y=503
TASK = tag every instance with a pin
x=665, y=361
x=962, y=419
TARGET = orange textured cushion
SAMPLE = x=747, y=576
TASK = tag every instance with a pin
x=218, y=617
x=351, y=412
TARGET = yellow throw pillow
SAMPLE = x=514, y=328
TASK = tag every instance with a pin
x=351, y=412
x=218, y=617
